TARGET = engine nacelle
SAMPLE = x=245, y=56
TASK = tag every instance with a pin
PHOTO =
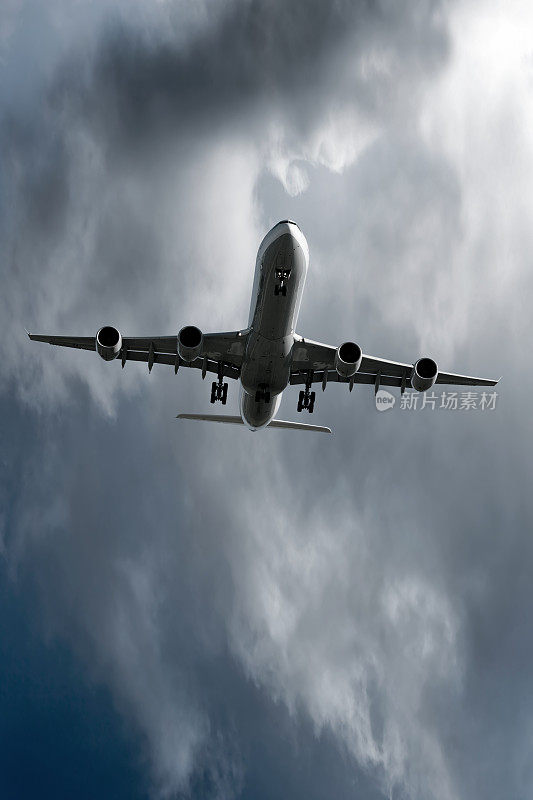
x=190, y=341
x=424, y=374
x=348, y=359
x=108, y=342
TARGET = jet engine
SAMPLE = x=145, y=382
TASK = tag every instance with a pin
x=108, y=342
x=424, y=374
x=348, y=359
x=190, y=341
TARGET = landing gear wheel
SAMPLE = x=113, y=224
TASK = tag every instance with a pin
x=262, y=395
x=306, y=399
x=219, y=391
x=282, y=275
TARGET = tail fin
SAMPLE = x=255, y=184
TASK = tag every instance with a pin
x=276, y=423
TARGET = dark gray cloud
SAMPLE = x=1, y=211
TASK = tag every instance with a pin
x=276, y=615
x=260, y=58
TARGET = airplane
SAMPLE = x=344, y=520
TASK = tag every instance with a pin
x=268, y=355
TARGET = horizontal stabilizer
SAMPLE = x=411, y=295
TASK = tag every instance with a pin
x=213, y=418
x=298, y=426
x=276, y=423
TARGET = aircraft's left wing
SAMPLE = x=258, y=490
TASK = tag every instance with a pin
x=314, y=362
x=220, y=351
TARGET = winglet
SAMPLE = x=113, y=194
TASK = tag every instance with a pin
x=29, y=334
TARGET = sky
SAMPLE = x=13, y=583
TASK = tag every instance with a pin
x=193, y=611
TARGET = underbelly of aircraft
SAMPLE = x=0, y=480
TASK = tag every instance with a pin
x=265, y=371
x=266, y=365
x=257, y=414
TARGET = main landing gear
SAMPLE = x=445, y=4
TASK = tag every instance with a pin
x=219, y=390
x=306, y=400
x=262, y=395
x=307, y=397
x=282, y=276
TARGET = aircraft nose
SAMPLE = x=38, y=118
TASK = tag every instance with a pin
x=285, y=241
x=285, y=233
x=286, y=226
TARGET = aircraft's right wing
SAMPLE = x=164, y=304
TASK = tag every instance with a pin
x=315, y=362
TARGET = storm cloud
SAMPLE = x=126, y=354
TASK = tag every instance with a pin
x=272, y=615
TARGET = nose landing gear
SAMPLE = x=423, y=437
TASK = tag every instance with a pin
x=282, y=275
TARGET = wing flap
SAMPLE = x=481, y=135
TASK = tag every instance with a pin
x=309, y=355
x=228, y=370
x=216, y=346
x=300, y=378
x=394, y=369
x=162, y=344
x=452, y=379
x=80, y=342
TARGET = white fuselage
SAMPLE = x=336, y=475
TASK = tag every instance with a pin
x=266, y=365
